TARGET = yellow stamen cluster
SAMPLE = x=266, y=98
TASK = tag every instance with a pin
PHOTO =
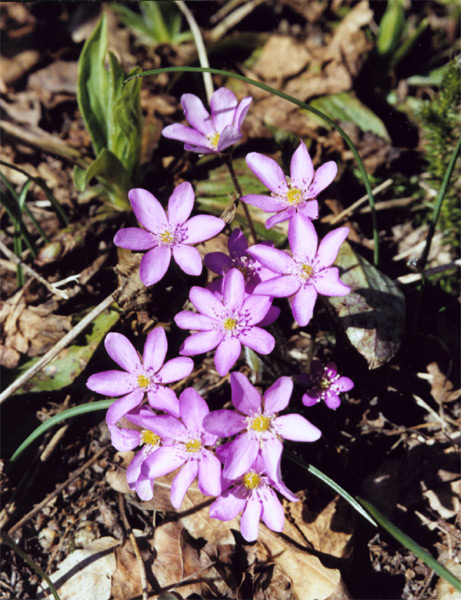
x=251, y=480
x=260, y=423
x=193, y=446
x=306, y=271
x=294, y=196
x=214, y=140
x=149, y=437
x=143, y=381
x=229, y=324
x=325, y=383
x=166, y=237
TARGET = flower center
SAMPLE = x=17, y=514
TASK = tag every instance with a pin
x=149, y=437
x=260, y=423
x=214, y=140
x=251, y=480
x=306, y=271
x=229, y=324
x=143, y=381
x=325, y=383
x=193, y=445
x=166, y=237
x=294, y=196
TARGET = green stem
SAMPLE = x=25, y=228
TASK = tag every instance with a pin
x=301, y=104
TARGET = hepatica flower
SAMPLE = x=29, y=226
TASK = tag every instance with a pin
x=253, y=495
x=305, y=273
x=210, y=134
x=289, y=196
x=225, y=322
x=261, y=429
x=139, y=377
x=186, y=448
x=324, y=383
x=166, y=235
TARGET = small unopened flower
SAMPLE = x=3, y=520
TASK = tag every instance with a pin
x=253, y=494
x=167, y=235
x=238, y=258
x=324, y=383
x=139, y=377
x=305, y=273
x=210, y=134
x=186, y=448
x=289, y=196
x=261, y=429
x=225, y=322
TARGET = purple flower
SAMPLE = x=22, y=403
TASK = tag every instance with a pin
x=307, y=272
x=251, y=269
x=293, y=195
x=262, y=428
x=252, y=495
x=226, y=321
x=186, y=448
x=167, y=234
x=124, y=439
x=210, y=134
x=324, y=383
x=140, y=377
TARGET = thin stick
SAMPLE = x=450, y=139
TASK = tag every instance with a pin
x=201, y=51
x=134, y=543
x=347, y=211
x=235, y=181
x=17, y=261
x=57, y=491
x=48, y=357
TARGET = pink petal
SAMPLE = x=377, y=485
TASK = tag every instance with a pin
x=344, y=384
x=196, y=114
x=134, y=238
x=241, y=456
x=122, y=406
x=134, y=468
x=275, y=260
x=309, y=209
x=329, y=246
x=163, y=398
x=245, y=397
x=218, y=262
x=332, y=400
x=259, y=340
x=271, y=453
x=226, y=355
x=199, y=343
x=188, y=259
x=154, y=265
x=257, y=307
x=200, y=149
x=144, y=488
x=272, y=315
x=162, y=461
x=310, y=400
x=278, y=395
x=233, y=289
x=273, y=514
x=209, y=474
x=206, y=302
x=302, y=237
x=223, y=104
x=327, y=283
x=303, y=304
x=280, y=217
x=224, y=423
x=147, y=209
x=193, y=409
x=227, y=506
x=241, y=111
x=197, y=322
x=268, y=172
x=301, y=168
x=203, y=227
x=249, y=521
x=182, y=482
x=155, y=349
x=185, y=134
x=124, y=439
x=278, y=287
x=265, y=203
x=181, y=203
x=323, y=177
x=297, y=428
x=175, y=369
x=122, y=351
x=229, y=136
x=111, y=383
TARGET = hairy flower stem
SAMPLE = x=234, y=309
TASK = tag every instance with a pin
x=235, y=181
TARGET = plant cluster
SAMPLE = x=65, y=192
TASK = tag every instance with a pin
x=236, y=454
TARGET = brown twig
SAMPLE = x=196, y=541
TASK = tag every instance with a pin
x=235, y=181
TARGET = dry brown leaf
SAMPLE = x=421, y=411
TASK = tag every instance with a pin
x=126, y=579
x=442, y=388
x=445, y=591
x=272, y=65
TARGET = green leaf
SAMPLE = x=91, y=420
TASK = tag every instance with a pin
x=373, y=314
x=347, y=107
x=391, y=28
x=71, y=361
